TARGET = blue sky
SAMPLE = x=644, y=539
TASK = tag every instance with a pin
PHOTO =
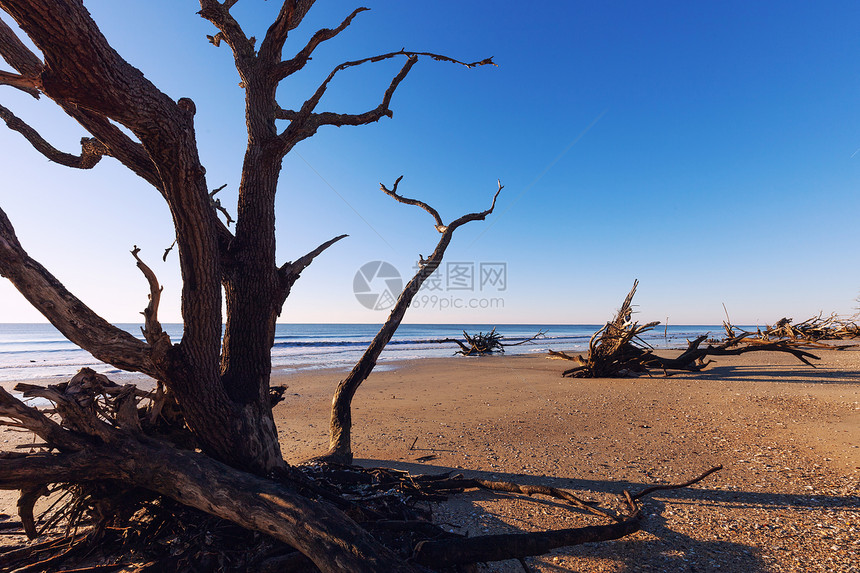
x=711, y=150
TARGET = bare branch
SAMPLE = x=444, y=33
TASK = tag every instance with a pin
x=380, y=111
x=305, y=122
x=291, y=15
x=26, y=84
x=298, y=62
x=92, y=150
x=216, y=204
x=152, y=331
x=66, y=312
x=440, y=226
x=109, y=141
x=121, y=147
x=231, y=32
x=289, y=272
x=695, y=480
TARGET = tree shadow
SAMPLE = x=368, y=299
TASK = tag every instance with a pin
x=781, y=372
x=657, y=547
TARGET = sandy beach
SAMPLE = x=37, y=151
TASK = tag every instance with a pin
x=786, y=434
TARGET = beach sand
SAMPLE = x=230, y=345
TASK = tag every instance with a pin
x=786, y=434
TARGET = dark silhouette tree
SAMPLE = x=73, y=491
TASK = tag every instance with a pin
x=220, y=384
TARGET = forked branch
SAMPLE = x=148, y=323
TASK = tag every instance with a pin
x=290, y=16
x=291, y=66
x=440, y=226
x=305, y=121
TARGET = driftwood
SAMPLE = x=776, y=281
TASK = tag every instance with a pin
x=485, y=343
x=616, y=350
x=96, y=440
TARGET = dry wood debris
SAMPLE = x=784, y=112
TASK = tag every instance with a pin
x=814, y=329
x=483, y=343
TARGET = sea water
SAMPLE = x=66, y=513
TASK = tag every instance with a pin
x=40, y=352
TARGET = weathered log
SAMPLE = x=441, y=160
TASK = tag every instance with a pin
x=517, y=545
x=692, y=359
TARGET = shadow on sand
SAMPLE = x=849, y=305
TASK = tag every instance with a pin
x=781, y=373
x=666, y=550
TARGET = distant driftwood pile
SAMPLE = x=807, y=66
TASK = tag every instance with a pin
x=616, y=350
x=485, y=343
x=814, y=329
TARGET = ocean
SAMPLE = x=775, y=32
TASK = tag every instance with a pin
x=40, y=352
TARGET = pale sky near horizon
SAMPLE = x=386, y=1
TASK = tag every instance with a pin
x=711, y=150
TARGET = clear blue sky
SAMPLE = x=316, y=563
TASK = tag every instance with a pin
x=711, y=150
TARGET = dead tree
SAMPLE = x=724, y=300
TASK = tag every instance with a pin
x=616, y=350
x=340, y=443
x=220, y=384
